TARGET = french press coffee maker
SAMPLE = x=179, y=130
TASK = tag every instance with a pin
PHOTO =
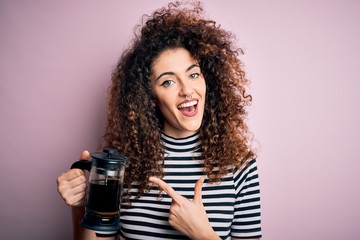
x=107, y=170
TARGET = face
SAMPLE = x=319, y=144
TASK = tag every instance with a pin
x=179, y=89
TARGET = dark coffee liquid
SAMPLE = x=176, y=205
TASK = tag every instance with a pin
x=104, y=197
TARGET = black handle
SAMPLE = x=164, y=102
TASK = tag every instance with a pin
x=82, y=164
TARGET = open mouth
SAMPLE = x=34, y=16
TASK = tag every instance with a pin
x=188, y=108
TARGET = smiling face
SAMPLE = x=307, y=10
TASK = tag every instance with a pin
x=179, y=89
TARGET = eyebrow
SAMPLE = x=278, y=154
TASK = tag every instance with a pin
x=172, y=73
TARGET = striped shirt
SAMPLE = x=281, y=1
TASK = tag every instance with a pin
x=232, y=206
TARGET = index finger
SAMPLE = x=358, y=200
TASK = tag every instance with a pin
x=167, y=188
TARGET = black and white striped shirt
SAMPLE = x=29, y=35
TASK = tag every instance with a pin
x=232, y=206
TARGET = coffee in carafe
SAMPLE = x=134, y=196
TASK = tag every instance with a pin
x=105, y=186
x=104, y=197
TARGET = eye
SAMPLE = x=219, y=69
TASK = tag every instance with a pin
x=194, y=75
x=167, y=83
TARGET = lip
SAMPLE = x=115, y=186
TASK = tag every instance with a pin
x=186, y=113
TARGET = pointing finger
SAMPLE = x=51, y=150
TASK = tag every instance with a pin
x=167, y=188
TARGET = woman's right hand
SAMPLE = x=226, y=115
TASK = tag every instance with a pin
x=72, y=185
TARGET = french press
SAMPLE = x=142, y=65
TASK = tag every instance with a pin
x=107, y=170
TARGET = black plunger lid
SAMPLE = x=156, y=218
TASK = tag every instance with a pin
x=108, y=159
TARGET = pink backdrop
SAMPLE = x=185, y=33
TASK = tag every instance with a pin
x=302, y=58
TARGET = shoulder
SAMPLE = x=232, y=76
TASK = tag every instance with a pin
x=249, y=167
x=246, y=175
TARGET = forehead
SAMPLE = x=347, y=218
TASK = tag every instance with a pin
x=177, y=59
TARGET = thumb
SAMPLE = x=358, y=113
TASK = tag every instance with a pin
x=85, y=155
x=198, y=191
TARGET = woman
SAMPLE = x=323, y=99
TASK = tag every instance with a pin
x=177, y=111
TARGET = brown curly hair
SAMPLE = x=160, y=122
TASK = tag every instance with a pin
x=134, y=124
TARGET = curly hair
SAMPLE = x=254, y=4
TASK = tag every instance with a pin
x=134, y=124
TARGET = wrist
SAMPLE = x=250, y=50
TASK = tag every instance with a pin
x=77, y=213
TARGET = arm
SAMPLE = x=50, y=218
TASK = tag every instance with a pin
x=247, y=214
x=80, y=233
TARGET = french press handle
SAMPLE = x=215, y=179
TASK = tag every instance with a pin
x=82, y=164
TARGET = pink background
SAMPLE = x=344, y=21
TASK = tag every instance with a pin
x=302, y=58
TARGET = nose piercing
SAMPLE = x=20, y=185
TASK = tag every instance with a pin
x=188, y=97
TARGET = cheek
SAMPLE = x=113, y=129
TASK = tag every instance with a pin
x=202, y=85
x=166, y=105
x=163, y=101
x=203, y=90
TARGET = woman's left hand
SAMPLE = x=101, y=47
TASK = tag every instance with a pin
x=188, y=216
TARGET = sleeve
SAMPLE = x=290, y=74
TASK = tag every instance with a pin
x=247, y=214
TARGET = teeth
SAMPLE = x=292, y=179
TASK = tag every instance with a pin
x=188, y=104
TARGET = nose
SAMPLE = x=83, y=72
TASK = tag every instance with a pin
x=186, y=89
